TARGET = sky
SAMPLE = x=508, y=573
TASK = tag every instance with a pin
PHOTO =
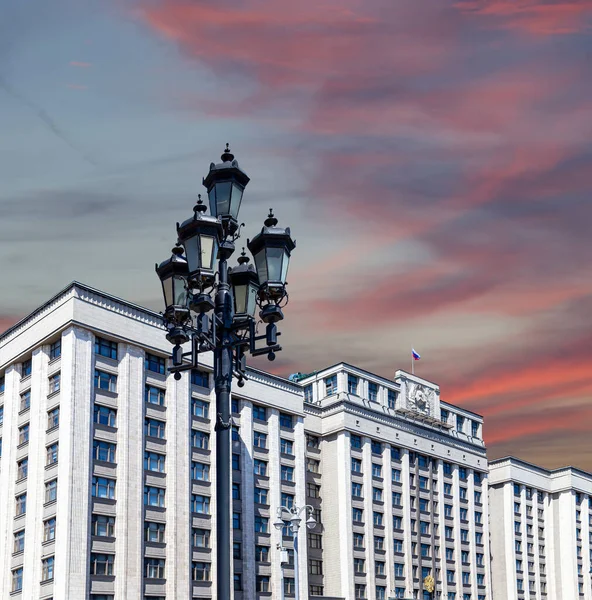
x=433, y=160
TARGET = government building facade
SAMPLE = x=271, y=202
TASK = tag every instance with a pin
x=107, y=477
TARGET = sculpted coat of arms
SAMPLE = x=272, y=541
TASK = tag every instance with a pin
x=420, y=398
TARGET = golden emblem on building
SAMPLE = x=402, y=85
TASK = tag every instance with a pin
x=429, y=585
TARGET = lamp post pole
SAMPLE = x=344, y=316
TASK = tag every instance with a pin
x=292, y=518
x=196, y=281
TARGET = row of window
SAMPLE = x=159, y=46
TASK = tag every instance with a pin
x=359, y=540
x=358, y=516
x=51, y=495
x=47, y=568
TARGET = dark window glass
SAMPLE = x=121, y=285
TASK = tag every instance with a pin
x=106, y=348
x=154, y=363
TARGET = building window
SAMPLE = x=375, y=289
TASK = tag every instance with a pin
x=315, y=540
x=104, y=451
x=201, y=538
x=22, y=469
x=103, y=488
x=315, y=567
x=200, y=439
x=372, y=391
x=285, y=420
x=475, y=428
x=259, y=413
x=154, y=395
x=201, y=378
x=330, y=385
x=352, y=385
x=376, y=470
x=200, y=408
x=286, y=446
x=105, y=381
x=102, y=526
x=360, y=591
x=450, y=577
x=238, y=582
x=356, y=465
x=200, y=571
x=355, y=441
x=357, y=515
x=260, y=467
x=460, y=423
x=154, y=532
x=236, y=462
x=376, y=494
x=200, y=504
x=17, y=579
x=47, y=568
x=154, y=496
x=51, y=491
x=376, y=447
x=448, y=489
x=424, y=483
x=313, y=490
x=199, y=471
x=398, y=522
x=153, y=461
x=51, y=454
x=444, y=414
x=313, y=466
x=54, y=383
x=308, y=393
x=287, y=473
x=262, y=583
x=154, y=568
x=27, y=367
x=396, y=475
x=55, y=350
x=399, y=570
x=462, y=493
x=25, y=402
x=259, y=440
x=260, y=495
x=236, y=494
x=19, y=541
x=101, y=564
x=154, y=428
x=154, y=363
x=312, y=441
x=359, y=566
x=463, y=514
x=358, y=540
x=357, y=490
x=53, y=417
x=316, y=590
x=106, y=348
x=104, y=415
x=261, y=524
x=49, y=529
x=287, y=500
x=377, y=519
x=391, y=398
x=236, y=520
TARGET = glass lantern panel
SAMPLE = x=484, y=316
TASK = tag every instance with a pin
x=251, y=299
x=167, y=288
x=212, y=198
x=223, y=190
x=274, y=263
x=191, y=253
x=207, y=251
x=285, y=264
x=235, y=202
x=180, y=298
x=240, y=299
x=261, y=265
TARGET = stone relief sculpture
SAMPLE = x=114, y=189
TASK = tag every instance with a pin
x=420, y=398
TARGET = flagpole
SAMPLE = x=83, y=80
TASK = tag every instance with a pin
x=412, y=363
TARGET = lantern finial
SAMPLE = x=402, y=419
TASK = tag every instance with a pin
x=243, y=259
x=227, y=155
x=271, y=221
x=200, y=206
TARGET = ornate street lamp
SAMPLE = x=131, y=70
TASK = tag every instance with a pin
x=197, y=280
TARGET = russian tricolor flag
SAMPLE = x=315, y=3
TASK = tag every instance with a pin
x=415, y=354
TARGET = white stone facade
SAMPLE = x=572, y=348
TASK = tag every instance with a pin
x=541, y=546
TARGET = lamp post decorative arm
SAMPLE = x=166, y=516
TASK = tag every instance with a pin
x=212, y=307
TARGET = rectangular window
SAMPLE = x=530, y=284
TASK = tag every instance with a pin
x=352, y=385
x=53, y=417
x=262, y=583
x=315, y=540
x=397, y=522
x=286, y=446
x=285, y=420
x=51, y=454
x=287, y=500
x=261, y=495
x=356, y=465
x=200, y=439
x=154, y=532
x=154, y=363
x=357, y=515
x=261, y=524
x=376, y=494
x=287, y=473
x=200, y=571
x=236, y=493
x=357, y=490
x=399, y=570
x=396, y=499
x=308, y=393
x=25, y=402
x=199, y=471
x=106, y=348
x=105, y=381
x=330, y=385
x=153, y=461
x=444, y=415
x=372, y=391
x=313, y=466
x=1, y=415
x=424, y=505
x=19, y=541
x=312, y=441
x=376, y=447
x=376, y=470
x=355, y=441
x=236, y=520
x=102, y=526
x=55, y=350
x=313, y=490
x=236, y=462
x=49, y=529
x=462, y=493
x=235, y=405
x=358, y=540
x=51, y=491
x=260, y=467
x=104, y=415
x=396, y=475
x=448, y=489
x=200, y=408
x=26, y=368
x=154, y=496
x=154, y=428
x=154, y=568
x=22, y=469
x=201, y=378
x=474, y=428
x=377, y=519
x=201, y=537
x=17, y=579
x=200, y=504
x=460, y=423
x=424, y=483
x=462, y=473
x=259, y=413
x=154, y=395
x=316, y=590
x=103, y=488
x=54, y=383
x=391, y=398
x=104, y=451
x=259, y=439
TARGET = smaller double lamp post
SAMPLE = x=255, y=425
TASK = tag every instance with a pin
x=213, y=308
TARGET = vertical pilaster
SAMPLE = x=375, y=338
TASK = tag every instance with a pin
x=486, y=538
x=368, y=515
x=300, y=500
x=275, y=485
x=406, y=491
x=443, y=582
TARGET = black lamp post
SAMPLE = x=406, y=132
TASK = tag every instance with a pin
x=197, y=281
